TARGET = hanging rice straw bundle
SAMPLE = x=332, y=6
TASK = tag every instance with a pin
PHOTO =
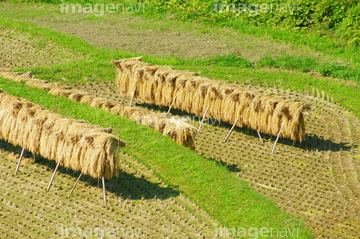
x=160, y=77
x=134, y=113
x=199, y=106
x=280, y=116
x=298, y=129
x=77, y=95
x=57, y=137
x=178, y=130
x=34, y=130
x=87, y=99
x=213, y=99
x=226, y=102
x=60, y=91
x=180, y=90
x=147, y=89
x=167, y=91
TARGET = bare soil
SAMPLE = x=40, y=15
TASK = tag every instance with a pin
x=317, y=180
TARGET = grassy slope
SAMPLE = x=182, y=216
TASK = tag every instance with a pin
x=210, y=185
x=220, y=205
x=98, y=68
x=315, y=39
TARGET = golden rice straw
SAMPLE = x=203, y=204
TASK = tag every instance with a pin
x=134, y=113
x=87, y=99
x=60, y=91
x=255, y=109
x=180, y=89
x=187, y=93
x=77, y=95
x=199, y=97
x=59, y=138
x=160, y=77
x=147, y=89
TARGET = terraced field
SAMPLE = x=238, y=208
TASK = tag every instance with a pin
x=317, y=180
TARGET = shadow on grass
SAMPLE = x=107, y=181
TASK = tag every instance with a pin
x=127, y=186
x=234, y=168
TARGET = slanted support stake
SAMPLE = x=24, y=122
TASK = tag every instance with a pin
x=228, y=135
x=172, y=102
x=103, y=183
x=52, y=178
x=75, y=184
x=132, y=98
x=203, y=119
x=277, y=138
x=21, y=155
x=260, y=137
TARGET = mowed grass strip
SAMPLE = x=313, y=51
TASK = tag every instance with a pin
x=98, y=68
x=207, y=183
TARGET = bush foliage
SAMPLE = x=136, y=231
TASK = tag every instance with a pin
x=333, y=17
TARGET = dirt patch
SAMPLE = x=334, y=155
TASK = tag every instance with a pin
x=140, y=205
x=317, y=180
x=19, y=50
x=154, y=37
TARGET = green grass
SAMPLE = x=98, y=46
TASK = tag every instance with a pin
x=207, y=183
x=97, y=67
x=306, y=64
x=317, y=40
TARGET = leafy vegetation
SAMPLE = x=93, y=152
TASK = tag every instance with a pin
x=328, y=26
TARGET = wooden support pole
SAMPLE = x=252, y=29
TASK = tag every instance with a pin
x=75, y=184
x=122, y=101
x=172, y=102
x=260, y=137
x=228, y=135
x=52, y=178
x=103, y=183
x=277, y=138
x=132, y=98
x=203, y=119
x=21, y=155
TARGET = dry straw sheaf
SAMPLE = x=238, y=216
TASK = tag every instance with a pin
x=178, y=130
x=81, y=146
x=161, y=85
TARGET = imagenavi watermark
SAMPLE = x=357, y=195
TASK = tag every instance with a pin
x=99, y=9
x=98, y=232
x=253, y=9
x=255, y=232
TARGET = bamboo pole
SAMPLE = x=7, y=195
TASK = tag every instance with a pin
x=52, y=178
x=277, y=138
x=260, y=137
x=103, y=182
x=21, y=155
x=132, y=98
x=75, y=184
x=172, y=102
x=228, y=135
x=122, y=101
x=203, y=119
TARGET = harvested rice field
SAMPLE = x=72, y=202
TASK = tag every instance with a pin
x=198, y=187
x=140, y=205
x=15, y=45
x=317, y=180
